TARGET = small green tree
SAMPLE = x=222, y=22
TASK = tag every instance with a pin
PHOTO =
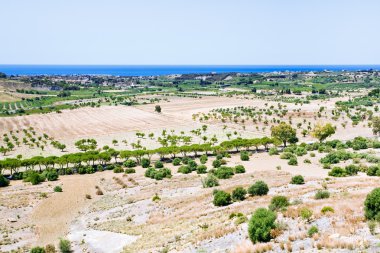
x=221, y=198
x=297, y=180
x=284, y=133
x=65, y=246
x=259, y=188
x=238, y=194
x=372, y=205
x=261, y=224
x=322, y=132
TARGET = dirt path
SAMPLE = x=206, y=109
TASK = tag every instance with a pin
x=54, y=215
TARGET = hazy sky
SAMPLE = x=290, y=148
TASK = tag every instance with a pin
x=190, y=32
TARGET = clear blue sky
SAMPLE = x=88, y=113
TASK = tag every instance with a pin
x=190, y=32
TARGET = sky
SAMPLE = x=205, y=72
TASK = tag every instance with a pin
x=190, y=32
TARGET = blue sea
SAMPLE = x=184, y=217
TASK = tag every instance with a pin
x=156, y=70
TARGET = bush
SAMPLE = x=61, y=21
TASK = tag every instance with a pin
x=352, y=170
x=203, y=159
x=37, y=250
x=278, y=203
x=372, y=205
x=118, y=169
x=238, y=194
x=210, y=181
x=273, y=151
x=185, y=160
x=90, y=170
x=3, y=181
x=176, y=161
x=306, y=213
x=145, y=162
x=58, y=189
x=259, y=188
x=372, y=170
x=244, y=156
x=158, y=174
x=216, y=163
x=192, y=165
x=51, y=175
x=239, y=169
x=293, y=161
x=201, y=169
x=34, y=177
x=156, y=198
x=129, y=171
x=224, y=172
x=297, y=180
x=184, y=169
x=313, y=230
x=261, y=224
x=222, y=198
x=327, y=209
x=337, y=172
x=158, y=165
x=287, y=155
x=322, y=194
x=65, y=246
x=50, y=248
x=130, y=163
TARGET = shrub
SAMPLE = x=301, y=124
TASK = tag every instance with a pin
x=273, y=151
x=322, y=194
x=58, y=189
x=372, y=170
x=222, y=198
x=307, y=161
x=224, y=172
x=90, y=170
x=278, y=203
x=184, y=169
x=293, y=161
x=156, y=198
x=238, y=194
x=130, y=163
x=306, y=213
x=145, y=162
x=203, y=159
x=297, y=180
x=34, y=178
x=50, y=248
x=239, y=169
x=51, y=175
x=327, y=209
x=216, y=163
x=287, y=155
x=129, y=171
x=118, y=169
x=210, y=181
x=244, y=156
x=337, y=172
x=176, y=161
x=65, y=246
x=158, y=165
x=352, y=170
x=259, y=188
x=313, y=230
x=192, y=165
x=37, y=250
x=185, y=160
x=372, y=205
x=158, y=174
x=3, y=181
x=260, y=225
x=201, y=169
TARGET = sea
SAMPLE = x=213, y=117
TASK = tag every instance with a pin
x=157, y=70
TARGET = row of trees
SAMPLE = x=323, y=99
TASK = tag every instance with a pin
x=93, y=157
